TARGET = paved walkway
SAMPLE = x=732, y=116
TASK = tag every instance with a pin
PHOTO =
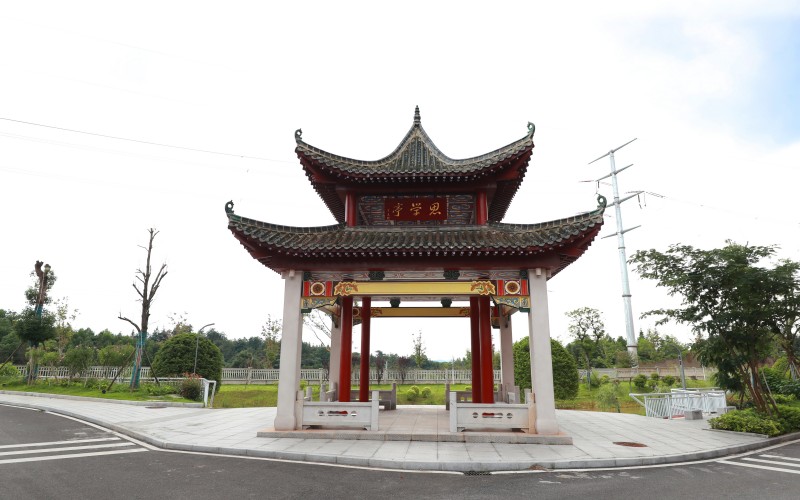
x=234, y=432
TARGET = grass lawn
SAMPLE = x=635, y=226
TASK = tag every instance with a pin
x=118, y=392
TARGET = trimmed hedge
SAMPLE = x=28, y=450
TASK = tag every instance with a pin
x=787, y=420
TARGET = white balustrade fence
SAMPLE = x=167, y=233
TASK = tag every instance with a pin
x=317, y=375
x=625, y=373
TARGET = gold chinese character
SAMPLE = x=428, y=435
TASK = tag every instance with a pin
x=435, y=209
x=416, y=208
x=398, y=207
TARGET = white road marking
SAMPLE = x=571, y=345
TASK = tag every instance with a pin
x=65, y=448
x=50, y=443
x=764, y=467
x=71, y=455
x=780, y=457
x=105, y=429
x=20, y=407
x=773, y=462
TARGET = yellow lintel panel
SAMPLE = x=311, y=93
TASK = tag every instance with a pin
x=412, y=288
x=420, y=312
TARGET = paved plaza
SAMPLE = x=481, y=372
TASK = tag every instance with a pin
x=645, y=441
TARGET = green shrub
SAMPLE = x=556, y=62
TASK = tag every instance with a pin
x=789, y=416
x=159, y=390
x=411, y=394
x=607, y=398
x=747, y=421
x=640, y=381
x=604, y=380
x=192, y=388
x=669, y=380
x=653, y=385
x=414, y=389
x=783, y=399
x=9, y=370
x=787, y=387
x=176, y=357
x=594, y=380
x=426, y=392
x=655, y=376
x=78, y=360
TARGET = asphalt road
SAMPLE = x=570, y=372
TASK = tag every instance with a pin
x=45, y=456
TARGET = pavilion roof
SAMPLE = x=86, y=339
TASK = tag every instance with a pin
x=283, y=247
x=418, y=162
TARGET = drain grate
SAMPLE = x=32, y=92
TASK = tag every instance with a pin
x=477, y=473
x=631, y=444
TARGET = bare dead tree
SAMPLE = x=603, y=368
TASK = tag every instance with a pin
x=318, y=323
x=146, y=286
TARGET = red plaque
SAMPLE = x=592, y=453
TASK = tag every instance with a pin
x=413, y=209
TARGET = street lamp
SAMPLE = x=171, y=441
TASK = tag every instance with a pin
x=197, y=344
x=680, y=361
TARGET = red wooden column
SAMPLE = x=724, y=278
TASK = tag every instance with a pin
x=487, y=373
x=481, y=208
x=475, y=347
x=346, y=356
x=350, y=209
x=366, y=316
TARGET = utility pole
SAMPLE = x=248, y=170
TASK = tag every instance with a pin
x=623, y=260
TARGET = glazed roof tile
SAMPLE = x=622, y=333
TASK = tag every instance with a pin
x=415, y=158
x=340, y=240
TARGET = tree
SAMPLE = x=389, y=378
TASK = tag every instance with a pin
x=78, y=360
x=63, y=324
x=271, y=331
x=784, y=320
x=176, y=357
x=318, y=323
x=726, y=297
x=565, y=370
x=403, y=364
x=586, y=327
x=418, y=350
x=379, y=360
x=146, y=288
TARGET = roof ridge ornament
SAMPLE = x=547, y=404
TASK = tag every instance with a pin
x=531, y=129
x=298, y=135
x=229, y=207
x=417, y=120
x=601, y=201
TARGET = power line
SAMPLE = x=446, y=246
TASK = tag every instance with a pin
x=142, y=142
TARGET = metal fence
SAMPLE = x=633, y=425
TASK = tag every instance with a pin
x=676, y=403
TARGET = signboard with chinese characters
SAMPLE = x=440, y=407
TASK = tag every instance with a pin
x=414, y=209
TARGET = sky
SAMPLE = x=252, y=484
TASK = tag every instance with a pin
x=710, y=90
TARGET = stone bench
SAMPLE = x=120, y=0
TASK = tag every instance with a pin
x=498, y=416
x=337, y=414
x=386, y=398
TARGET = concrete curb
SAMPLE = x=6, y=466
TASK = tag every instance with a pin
x=422, y=465
x=165, y=404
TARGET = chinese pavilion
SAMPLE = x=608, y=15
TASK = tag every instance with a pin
x=418, y=227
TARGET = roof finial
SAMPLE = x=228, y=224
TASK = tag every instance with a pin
x=416, y=116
